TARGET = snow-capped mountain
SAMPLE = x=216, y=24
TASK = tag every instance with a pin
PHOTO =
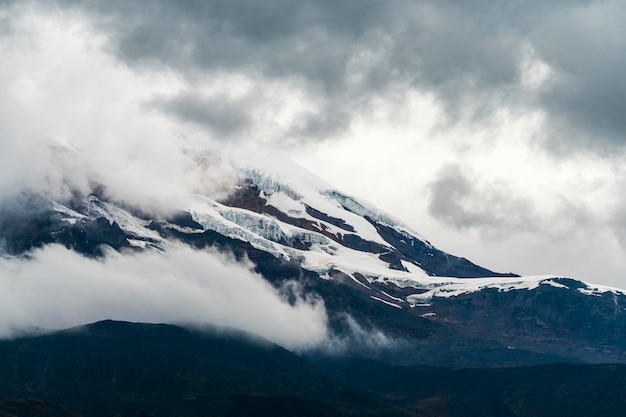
x=387, y=290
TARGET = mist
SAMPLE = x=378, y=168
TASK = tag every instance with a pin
x=58, y=288
x=72, y=117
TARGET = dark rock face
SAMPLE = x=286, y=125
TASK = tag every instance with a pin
x=29, y=222
x=89, y=237
x=332, y=220
x=184, y=219
x=553, y=320
x=394, y=259
x=432, y=260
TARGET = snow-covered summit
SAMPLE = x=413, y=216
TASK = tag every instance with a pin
x=368, y=267
x=302, y=219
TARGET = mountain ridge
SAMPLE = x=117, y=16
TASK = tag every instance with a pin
x=373, y=273
x=115, y=368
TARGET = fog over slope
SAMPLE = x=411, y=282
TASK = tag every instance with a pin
x=59, y=288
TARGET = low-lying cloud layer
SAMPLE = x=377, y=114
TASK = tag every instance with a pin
x=59, y=288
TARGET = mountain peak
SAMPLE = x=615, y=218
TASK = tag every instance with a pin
x=374, y=274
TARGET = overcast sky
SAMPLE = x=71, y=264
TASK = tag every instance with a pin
x=495, y=129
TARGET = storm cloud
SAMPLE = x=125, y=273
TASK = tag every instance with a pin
x=459, y=199
x=463, y=200
x=561, y=58
x=220, y=114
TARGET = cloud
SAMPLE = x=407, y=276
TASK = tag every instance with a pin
x=59, y=288
x=222, y=115
x=276, y=38
x=345, y=56
x=5, y=23
x=71, y=117
x=585, y=47
x=355, y=339
x=346, y=59
x=616, y=211
x=322, y=47
x=459, y=199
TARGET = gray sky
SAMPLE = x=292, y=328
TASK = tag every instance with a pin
x=495, y=129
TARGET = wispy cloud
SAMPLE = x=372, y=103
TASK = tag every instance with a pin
x=59, y=288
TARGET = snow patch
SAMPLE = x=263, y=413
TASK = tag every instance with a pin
x=72, y=215
x=598, y=290
x=286, y=204
x=386, y=302
x=392, y=297
x=454, y=287
x=365, y=210
x=125, y=220
x=309, y=193
x=206, y=214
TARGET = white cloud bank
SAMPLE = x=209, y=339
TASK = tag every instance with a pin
x=70, y=115
x=59, y=288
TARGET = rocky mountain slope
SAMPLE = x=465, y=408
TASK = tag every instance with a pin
x=375, y=275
